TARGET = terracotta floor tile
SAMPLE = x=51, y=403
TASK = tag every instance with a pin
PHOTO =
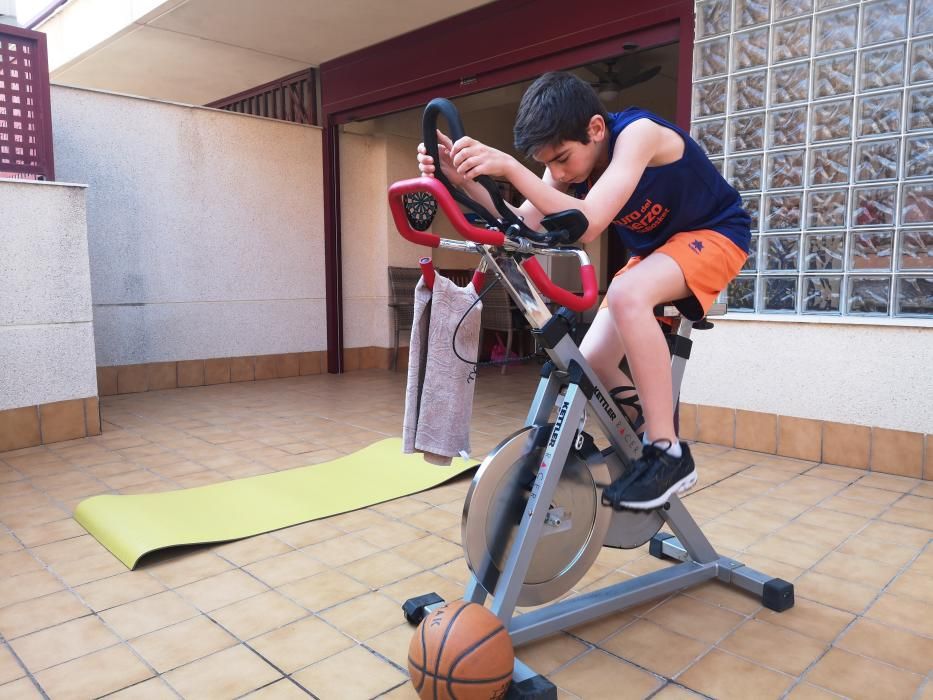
x=152, y=689
x=834, y=473
x=800, y=554
x=901, y=611
x=322, y=591
x=772, y=567
x=886, y=552
x=63, y=642
x=838, y=593
x=300, y=644
x=341, y=550
x=117, y=590
x=94, y=675
x=39, y=613
x=285, y=689
x=99, y=565
x=724, y=676
x=896, y=534
x=378, y=570
x=854, y=506
x=695, y=618
x=354, y=674
x=22, y=689
x=226, y=674
x=821, y=622
x=860, y=678
x=359, y=520
x=132, y=620
x=833, y=520
x=890, y=482
x=855, y=568
x=598, y=676
x=402, y=507
x=888, y=644
x=33, y=517
x=774, y=647
x=179, y=570
x=435, y=519
x=254, y=616
x=391, y=534
x=306, y=534
x=8, y=544
x=10, y=669
x=18, y=562
x=719, y=594
x=35, y=584
x=419, y=584
x=860, y=492
x=221, y=590
x=655, y=648
x=363, y=617
x=909, y=516
x=393, y=643
x=429, y=552
x=285, y=568
x=675, y=692
x=182, y=643
x=806, y=691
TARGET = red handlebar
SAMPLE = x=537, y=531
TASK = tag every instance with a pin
x=559, y=294
x=485, y=237
x=446, y=203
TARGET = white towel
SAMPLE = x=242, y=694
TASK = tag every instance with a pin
x=439, y=394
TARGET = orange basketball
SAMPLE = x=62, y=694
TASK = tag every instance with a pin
x=461, y=651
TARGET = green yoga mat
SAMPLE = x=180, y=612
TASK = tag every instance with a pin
x=135, y=525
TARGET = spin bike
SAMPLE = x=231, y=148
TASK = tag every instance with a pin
x=533, y=521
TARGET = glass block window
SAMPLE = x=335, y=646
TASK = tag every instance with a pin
x=820, y=113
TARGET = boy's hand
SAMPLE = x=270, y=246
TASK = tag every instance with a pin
x=426, y=163
x=472, y=159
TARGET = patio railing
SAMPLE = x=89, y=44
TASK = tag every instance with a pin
x=290, y=99
x=25, y=107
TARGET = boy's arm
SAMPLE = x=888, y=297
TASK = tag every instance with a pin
x=634, y=149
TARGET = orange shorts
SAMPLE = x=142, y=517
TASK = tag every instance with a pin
x=709, y=262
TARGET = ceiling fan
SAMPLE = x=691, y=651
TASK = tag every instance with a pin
x=611, y=82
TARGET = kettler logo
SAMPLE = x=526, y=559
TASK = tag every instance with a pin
x=561, y=414
x=605, y=404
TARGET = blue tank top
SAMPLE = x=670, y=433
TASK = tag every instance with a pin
x=686, y=195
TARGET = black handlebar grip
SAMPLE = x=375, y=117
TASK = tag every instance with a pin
x=437, y=106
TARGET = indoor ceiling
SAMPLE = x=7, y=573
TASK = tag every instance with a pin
x=198, y=51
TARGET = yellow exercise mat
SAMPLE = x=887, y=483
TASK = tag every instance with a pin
x=135, y=525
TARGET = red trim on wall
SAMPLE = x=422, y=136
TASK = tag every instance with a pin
x=333, y=277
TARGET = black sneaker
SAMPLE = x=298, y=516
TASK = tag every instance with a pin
x=654, y=478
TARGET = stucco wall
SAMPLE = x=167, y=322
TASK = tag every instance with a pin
x=865, y=374
x=205, y=228
x=46, y=331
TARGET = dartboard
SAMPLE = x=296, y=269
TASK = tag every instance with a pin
x=420, y=207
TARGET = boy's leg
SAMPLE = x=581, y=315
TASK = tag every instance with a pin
x=603, y=349
x=666, y=466
x=632, y=298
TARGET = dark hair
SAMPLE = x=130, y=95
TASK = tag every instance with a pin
x=556, y=107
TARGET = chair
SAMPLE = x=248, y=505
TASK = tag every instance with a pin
x=402, y=283
x=499, y=314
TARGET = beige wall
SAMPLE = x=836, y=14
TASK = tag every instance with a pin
x=205, y=228
x=875, y=375
x=46, y=330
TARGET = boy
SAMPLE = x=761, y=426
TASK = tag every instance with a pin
x=684, y=224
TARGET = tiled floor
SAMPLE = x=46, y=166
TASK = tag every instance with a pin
x=314, y=609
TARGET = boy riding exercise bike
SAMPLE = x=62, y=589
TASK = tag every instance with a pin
x=536, y=515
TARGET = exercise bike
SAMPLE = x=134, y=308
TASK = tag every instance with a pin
x=533, y=521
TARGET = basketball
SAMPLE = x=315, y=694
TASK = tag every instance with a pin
x=461, y=651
